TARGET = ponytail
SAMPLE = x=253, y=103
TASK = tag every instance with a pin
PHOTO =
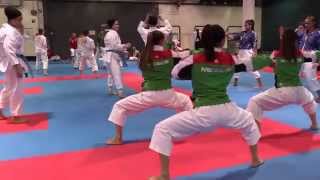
x=154, y=38
x=289, y=42
x=212, y=37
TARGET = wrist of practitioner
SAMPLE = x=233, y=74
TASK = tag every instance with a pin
x=19, y=70
x=127, y=45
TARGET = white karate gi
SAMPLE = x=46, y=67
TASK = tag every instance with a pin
x=11, y=44
x=275, y=98
x=148, y=99
x=245, y=57
x=309, y=73
x=166, y=30
x=88, y=55
x=202, y=119
x=113, y=45
x=41, y=50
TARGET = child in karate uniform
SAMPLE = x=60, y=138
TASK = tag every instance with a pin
x=87, y=47
x=247, y=50
x=288, y=87
x=113, y=57
x=212, y=71
x=41, y=48
x=156, y=64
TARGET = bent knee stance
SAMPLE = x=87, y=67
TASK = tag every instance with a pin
x=186, y=103
x=118, y=114
x=161, y=141
x=310, y=107
x=255, y=109
x=250, y=131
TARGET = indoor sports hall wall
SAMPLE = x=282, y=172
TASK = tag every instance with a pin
x=31, y=22
x=188, y=15
x=285, y=12
x=63, y=18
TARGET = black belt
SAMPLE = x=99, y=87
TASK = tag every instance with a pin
x=307, y=59
x=25, y=60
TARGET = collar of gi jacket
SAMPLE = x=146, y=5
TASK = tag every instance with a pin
x=158, y=48
x=218, y=50
x=11, y=28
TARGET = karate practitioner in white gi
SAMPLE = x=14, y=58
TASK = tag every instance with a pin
x=114, y=52
x=151, y=23
x=11, y=45
x=41, y=48
x=87, y=48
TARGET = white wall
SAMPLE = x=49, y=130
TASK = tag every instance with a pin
x=31, y=23
x=187, y=16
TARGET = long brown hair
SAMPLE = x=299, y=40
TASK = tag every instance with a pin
x=313, y=19
x=154, y=38
x=212, y=36
x=251, y=23
x=289, y=49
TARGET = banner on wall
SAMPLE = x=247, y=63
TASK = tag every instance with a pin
x=237, y=3
x=248, y=10
x=92, y=32
x=10, y=2
x=29, y=32
x=152, y=1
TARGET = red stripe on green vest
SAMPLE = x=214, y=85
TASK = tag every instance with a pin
x=161, y=55
x=221, y=58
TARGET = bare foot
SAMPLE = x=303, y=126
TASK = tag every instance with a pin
x=159, y=178
x=2, y=117
x=95, y=73
x=314, y=128
x=121, y=95
x=114, y=141
x=18, y=120
x=259, y=125
x=257, y=163
x=259, y=83
x=45, y=72
x=111, y=92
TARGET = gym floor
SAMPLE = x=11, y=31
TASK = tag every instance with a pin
x=65, y=138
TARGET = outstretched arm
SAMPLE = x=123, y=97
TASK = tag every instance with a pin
x=182, y=70
x=167, y=29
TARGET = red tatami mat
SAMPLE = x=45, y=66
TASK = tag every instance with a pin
x=218, y=149
x=38, y=121
x=33, y=90
x=64, y=78
x=267, y=70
